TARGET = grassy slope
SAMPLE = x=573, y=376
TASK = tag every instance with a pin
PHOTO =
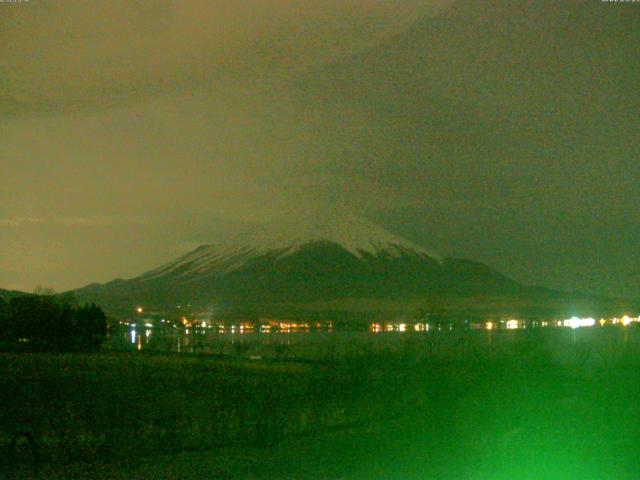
x=525, y=412
x=114, y=405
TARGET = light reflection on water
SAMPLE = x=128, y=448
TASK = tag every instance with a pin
x=410, y=341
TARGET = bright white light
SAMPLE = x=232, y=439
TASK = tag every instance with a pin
x=575, y=322
x=489, y=325
x=139, y=310
x=512, y=324
x=402, y=327
x=626, y=320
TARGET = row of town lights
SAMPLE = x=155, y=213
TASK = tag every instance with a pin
x=513, y=324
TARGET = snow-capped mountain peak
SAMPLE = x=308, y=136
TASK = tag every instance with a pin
x=283, y=237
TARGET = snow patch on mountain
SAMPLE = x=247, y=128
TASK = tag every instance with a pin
x=356, y=235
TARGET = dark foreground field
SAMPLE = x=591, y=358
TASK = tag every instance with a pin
x=516, y=414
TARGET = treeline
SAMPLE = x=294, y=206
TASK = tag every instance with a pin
x=50, y=323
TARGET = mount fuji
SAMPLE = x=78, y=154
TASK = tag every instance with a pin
x=326, y=258
x=328, y=262
x=357, y=239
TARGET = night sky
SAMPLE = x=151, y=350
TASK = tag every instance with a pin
x=502, y=131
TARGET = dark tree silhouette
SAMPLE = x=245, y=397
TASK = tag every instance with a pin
x=4, y=318
x=45, y=322
x=90, y=324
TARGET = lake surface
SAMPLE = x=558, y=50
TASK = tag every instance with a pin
x=408, y=342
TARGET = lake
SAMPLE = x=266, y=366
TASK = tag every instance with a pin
x=395, y=341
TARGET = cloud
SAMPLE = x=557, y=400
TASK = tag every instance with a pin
x=166, y=121
x=61, y=55
x=16, y=222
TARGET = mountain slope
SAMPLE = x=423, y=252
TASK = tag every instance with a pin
x=337, y=266
x=327, y=258
x=281, y=239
